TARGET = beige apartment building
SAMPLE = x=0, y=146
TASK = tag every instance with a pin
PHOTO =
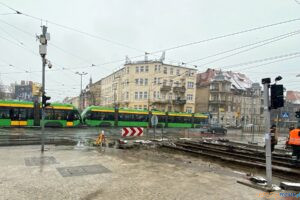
x=230, y=98
x=149, y=85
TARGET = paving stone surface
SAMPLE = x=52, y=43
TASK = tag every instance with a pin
x=42, y=160
x=82, y=170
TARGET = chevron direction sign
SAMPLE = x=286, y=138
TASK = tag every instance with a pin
x=132, y=131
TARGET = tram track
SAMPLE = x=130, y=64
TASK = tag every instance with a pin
x=281, y=163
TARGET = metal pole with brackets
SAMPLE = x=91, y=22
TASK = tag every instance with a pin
x=44, y=37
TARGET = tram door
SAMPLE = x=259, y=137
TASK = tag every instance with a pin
x=18, y=117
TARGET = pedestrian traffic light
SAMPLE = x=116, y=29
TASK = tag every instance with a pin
x=44, y=101
x=277, y=100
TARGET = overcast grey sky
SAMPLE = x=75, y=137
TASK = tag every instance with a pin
x=144, y=25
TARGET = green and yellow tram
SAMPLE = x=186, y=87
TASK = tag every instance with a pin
x=104, y=116
x=22, y=113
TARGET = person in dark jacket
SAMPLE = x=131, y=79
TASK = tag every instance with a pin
x=274, y=139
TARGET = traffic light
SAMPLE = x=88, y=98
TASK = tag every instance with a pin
x=297, y=114
x=277, y=100
x=44, y=101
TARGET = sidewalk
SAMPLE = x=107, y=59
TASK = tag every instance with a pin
x=113, y=174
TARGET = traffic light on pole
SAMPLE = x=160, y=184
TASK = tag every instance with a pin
x=297, y=114
x=277, y=100
x=44, y=101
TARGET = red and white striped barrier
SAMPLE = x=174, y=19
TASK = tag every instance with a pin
x=132, y=131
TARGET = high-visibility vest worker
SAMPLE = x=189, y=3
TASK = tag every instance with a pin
x=294, y=138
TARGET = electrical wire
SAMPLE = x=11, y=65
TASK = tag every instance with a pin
x=265, y=42
x=74, y=29
x=166, y=49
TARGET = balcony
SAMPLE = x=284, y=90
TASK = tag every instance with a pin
x=177, y=89
x=179, y=102
x=217, y=101
x=161, y=101
x=165, y=88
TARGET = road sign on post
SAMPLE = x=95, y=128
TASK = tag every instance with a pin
x=132, y=131
x=285, y=115
x=154, y=122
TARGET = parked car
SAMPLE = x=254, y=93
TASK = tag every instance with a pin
x=217, y=128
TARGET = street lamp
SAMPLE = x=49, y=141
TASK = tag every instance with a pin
x=81, y=74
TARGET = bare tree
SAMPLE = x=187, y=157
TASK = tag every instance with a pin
x=2, y=90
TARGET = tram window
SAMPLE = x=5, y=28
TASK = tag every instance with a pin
x=179, y=119
x=60, y=114
x=49, y=114
x=88, y=115
x=76, y=115
x=14, y=113
x=133, y=117
x=126, y=117
x=109, y=116
x=70, y=116
x=4, y=113
x=22, y=113
x=141, y=118
x=161, y=118
x=187, y=119
x=30, y=113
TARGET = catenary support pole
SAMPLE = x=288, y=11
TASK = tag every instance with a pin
x=267, y=132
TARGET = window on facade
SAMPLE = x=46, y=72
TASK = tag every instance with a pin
x=147, y=68
x=170, y=96
x=155, y=80
x=137, y=69
x=136, y=81
x=136, y=95
x=141, y=81
x=145, y=95
x=127, y=70
x=157, y=94
x=154, y=94
x=171, y=70
x=171, y=83
x=127, y=95
x=142, y=69
x=146, y=81
x=155, y=68
x=145, y=107
x=165, y=70
x=135, y=107
x=140, y=107
x=190, y=85
x=188, y=109
x=176, y=83
x=189, y=97
x=165, y=82
x=158, y=81
x=177, y=72
x=141, y=95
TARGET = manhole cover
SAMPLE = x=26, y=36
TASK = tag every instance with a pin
x=82, y=170
x=37, y=161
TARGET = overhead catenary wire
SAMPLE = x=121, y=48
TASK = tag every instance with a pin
x=74, y=29
x=54, y=46
x=265, y=42
x=171, y=48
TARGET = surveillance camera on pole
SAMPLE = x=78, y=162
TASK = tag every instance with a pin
x=43, y=38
